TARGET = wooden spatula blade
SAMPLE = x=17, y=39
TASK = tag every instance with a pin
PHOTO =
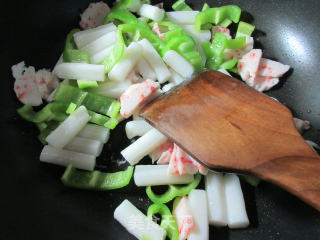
x=225, y=124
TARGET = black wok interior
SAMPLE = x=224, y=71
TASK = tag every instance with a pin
x=35, y=205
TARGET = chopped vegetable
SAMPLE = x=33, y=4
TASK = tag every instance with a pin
x=63, y=157
x=180, y=5
x=178, y=63
x=154, y=175
x=167, y=87
x=69, y=128
x=137, y=128
x=182, y=17
x=111, y=89
x=94, y=15
x=135, y=222
x=84, y=145
x=251, y=180
x=173, y=191
x=83, y=38
x=101, y=55
x=244, y=29
x=96, y=180
x=217, y=15
x=167, y=220
x=217, y=210
x=67, y=94
x=183, y=216
x=115, y=54
x=198, y=205
x=95, y=132
x=143, y=146
x=145, y=70
x=176, y=78
x=101, y=43
x=155, y=61
x=122, y=68
x=136, y=96
x=236, y=209
x=80, y=71
x=132, y=5
x=152, y=12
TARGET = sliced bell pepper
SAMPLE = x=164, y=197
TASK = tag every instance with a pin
x=168, y=223
x=96, y=180
x=94, y=102
x=145, y=32
x=116, y=53
x=244, y=29
x=71, y=53
x=52, y=111
x=217, y=15
x=122, y=16
x=229, y=64
x=225, y=23
x=180, y=5
x=173, y=191
x=87, y=84
x=214, y=52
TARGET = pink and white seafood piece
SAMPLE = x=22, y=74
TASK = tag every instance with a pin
x=248, y=66
x=270, y=68
x=183, y=216
x=218, y=29
x=136, y=95
x=25, y=85
x=157, y=154
x=230, y=54
x=94, y=15
x=181, y=163
x=301, y=125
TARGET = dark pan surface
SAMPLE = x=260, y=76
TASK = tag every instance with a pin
x=35, y=205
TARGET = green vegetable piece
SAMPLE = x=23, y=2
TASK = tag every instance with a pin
x=180, y=5
x=114, y=109
x=87, y=84
x=244, y=29
x=116, y=54
x=168, y=222
x=236, y=43
x=145, y=32
x=52, y=111
x=173, y=191
x=251, y=180
x=44, y=132
x=111, y=123
x=229, y=64
x=71, y=108
x=94, y=102
x=122, y=16
x=217, y=15
x=71, y=53
x=96, y=180
x=205, y=7
x=214, y=52
x=225, y=23
x=127, y=4
x=206, y=26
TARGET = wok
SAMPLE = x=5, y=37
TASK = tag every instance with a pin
x=35, y=205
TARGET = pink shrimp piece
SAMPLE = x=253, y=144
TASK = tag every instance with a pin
x=218, y=29
x=248, y=66
x=94, y=15
x=270, y=68
x=238, y=53
x=184, y=219
x=136, y=96
x=301, y=125
x=156, y=30
x=264, y=83
x=181, y=163
x=25, y=85
x=158, y=152
x=46, y=82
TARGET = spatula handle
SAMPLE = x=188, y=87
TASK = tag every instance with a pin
x=298, y=175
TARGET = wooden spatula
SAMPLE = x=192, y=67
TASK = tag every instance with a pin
x=229, y=126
